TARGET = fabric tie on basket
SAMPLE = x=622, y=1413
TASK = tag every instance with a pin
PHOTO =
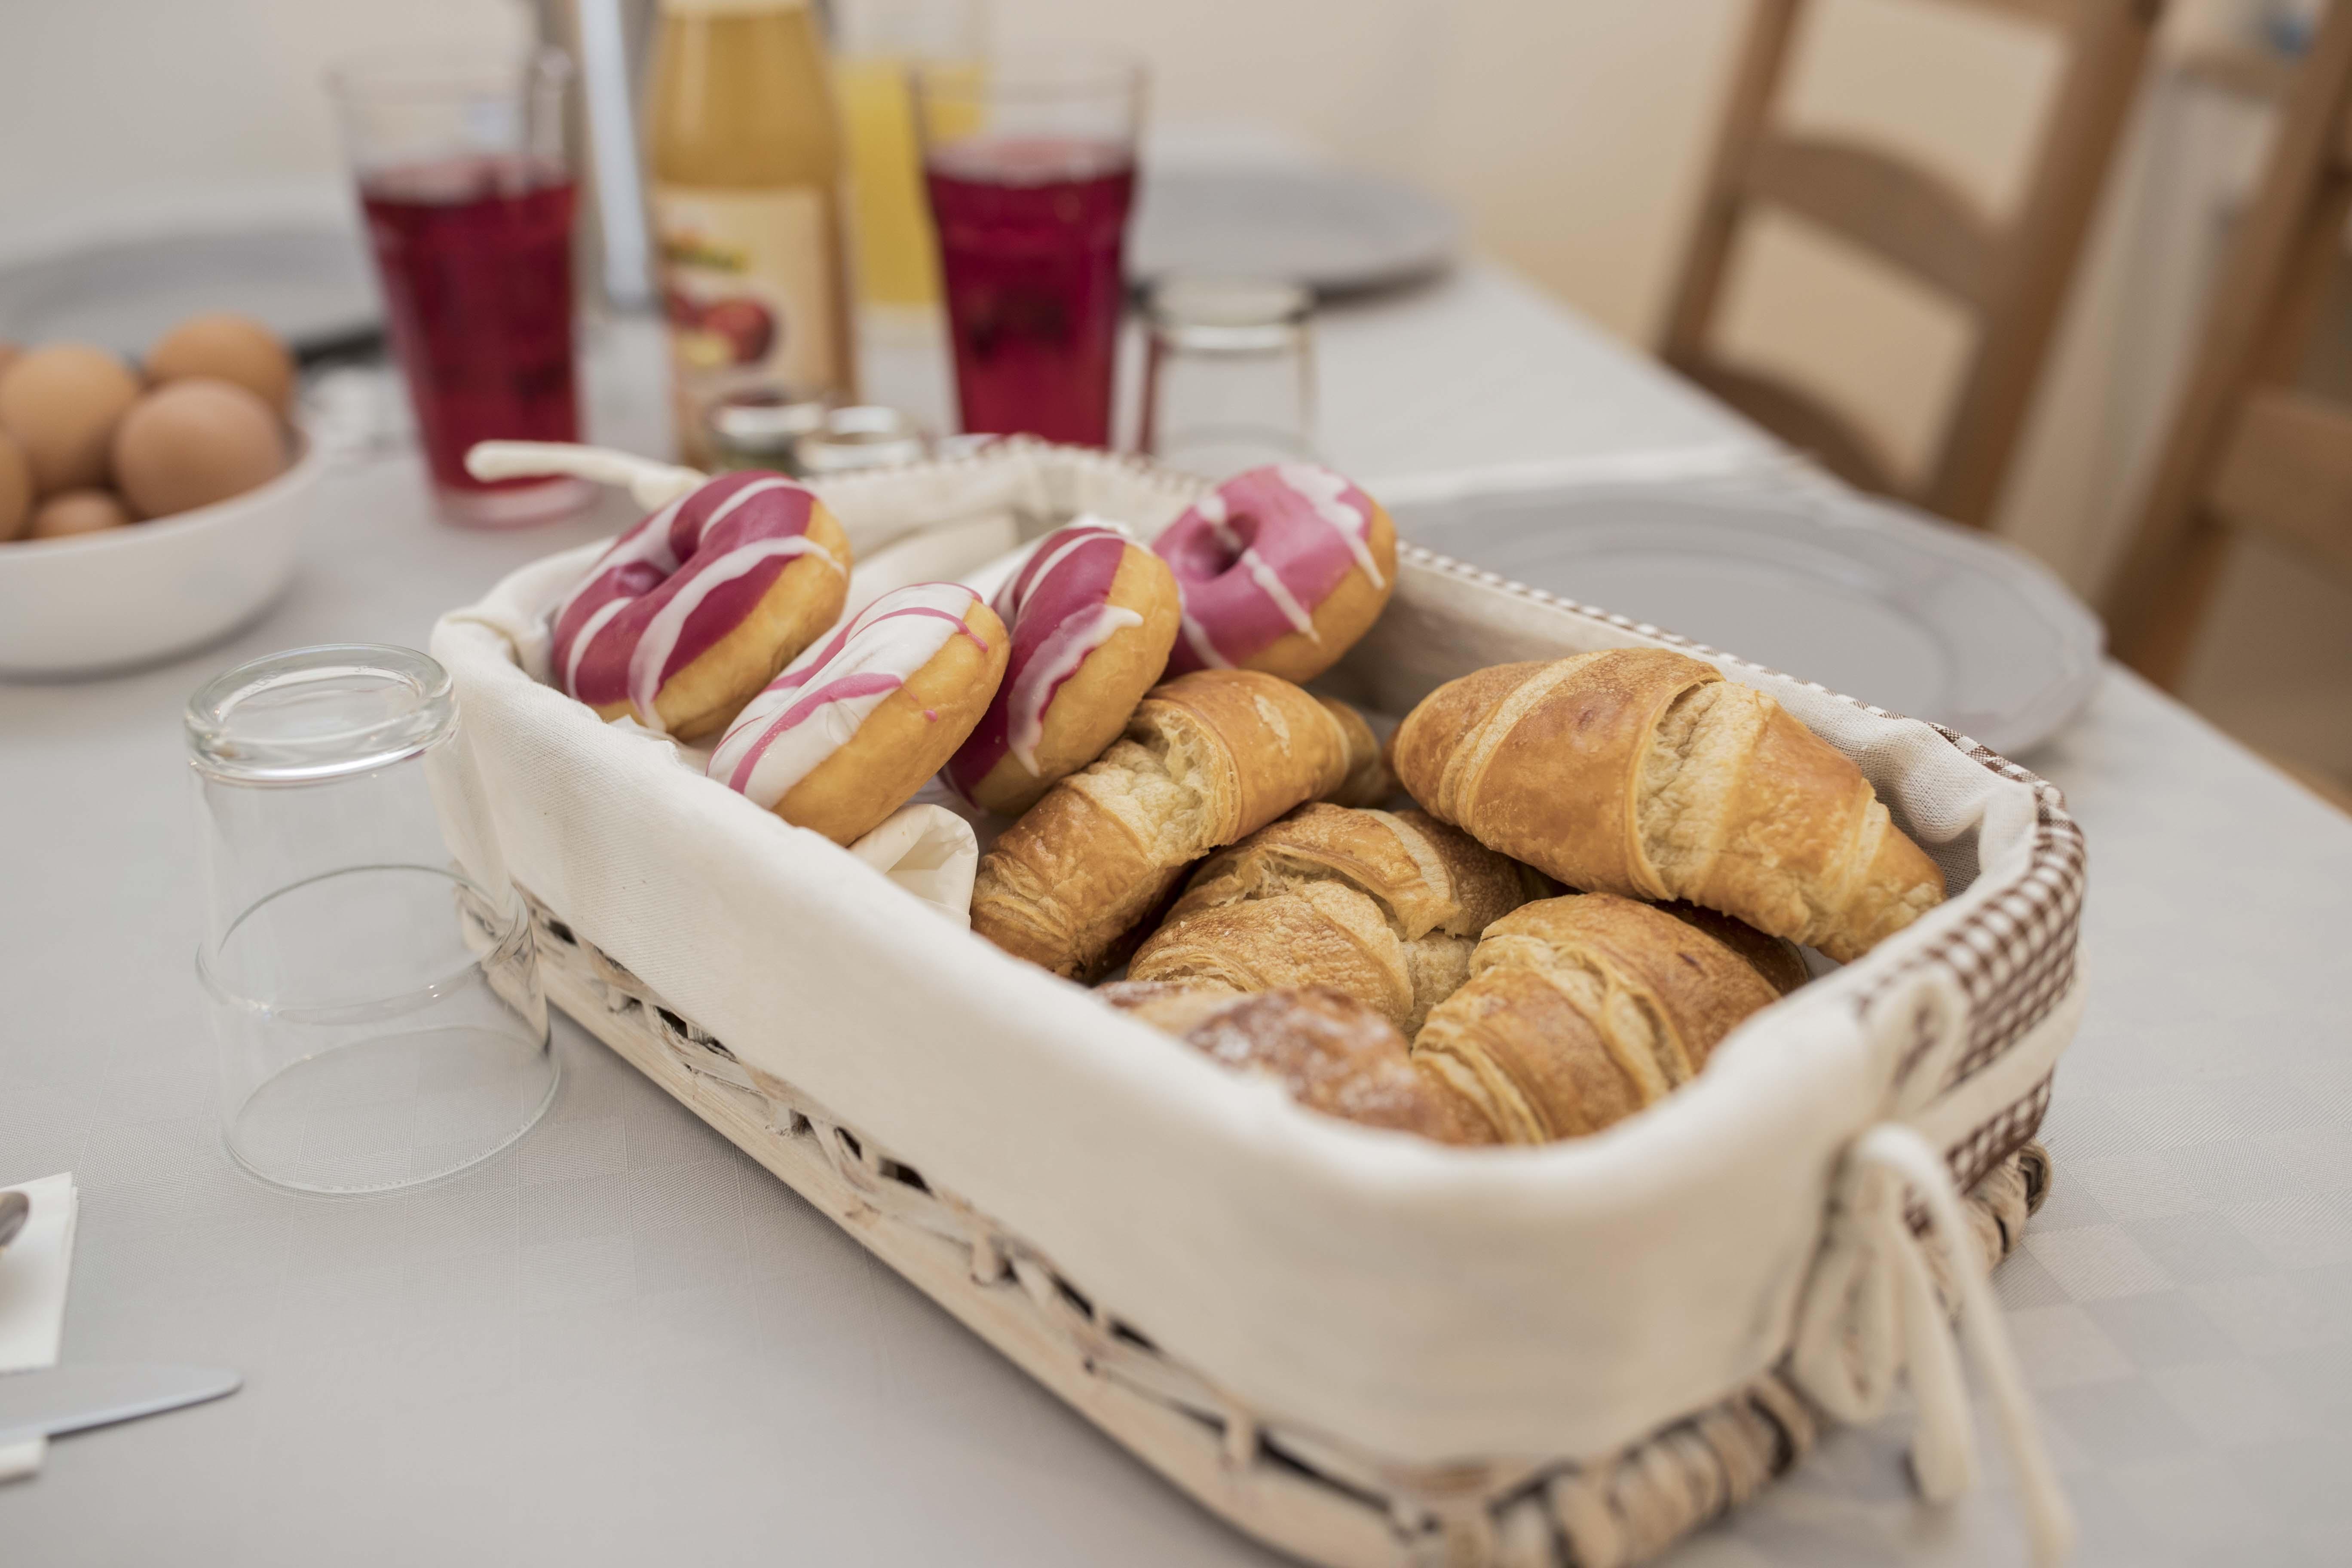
x=1871, y=1314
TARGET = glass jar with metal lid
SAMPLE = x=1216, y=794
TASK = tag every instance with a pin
x=866, y=437
x=755, y=428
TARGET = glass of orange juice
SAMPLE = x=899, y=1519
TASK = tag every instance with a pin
x=875, y=44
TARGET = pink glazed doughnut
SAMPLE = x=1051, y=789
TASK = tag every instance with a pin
x=700, y=604
x=855, y=725
x=1282, y=569
x=1093, y=615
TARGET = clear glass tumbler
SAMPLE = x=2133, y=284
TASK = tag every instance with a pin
x=370, y=965
x=1229, y=382
x=469, y=198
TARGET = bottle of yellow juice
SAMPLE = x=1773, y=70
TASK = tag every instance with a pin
x=744, y=155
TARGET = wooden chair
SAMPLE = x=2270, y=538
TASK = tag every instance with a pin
x=2011, y=277
x=2249, y=451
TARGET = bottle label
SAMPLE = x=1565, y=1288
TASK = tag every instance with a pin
x=748, y=284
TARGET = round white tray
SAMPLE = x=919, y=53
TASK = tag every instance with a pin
x=1872, y=599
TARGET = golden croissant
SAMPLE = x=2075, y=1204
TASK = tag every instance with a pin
x=1383, y=907
x=1643, y=772
x=1208, y=758
x=1329, y=1052
x=1583, y=1009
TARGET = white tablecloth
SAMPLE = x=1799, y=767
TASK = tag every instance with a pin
x=622, y=1342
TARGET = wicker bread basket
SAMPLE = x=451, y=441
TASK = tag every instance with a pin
x=1359, y=1347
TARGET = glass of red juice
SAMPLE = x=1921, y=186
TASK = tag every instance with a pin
x=1030, y=165
x=468, y=201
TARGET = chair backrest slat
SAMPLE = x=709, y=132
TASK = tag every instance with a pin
x=1802, y=420
x=2246, y=451
x=2043, y=13
x=1917, y=220
x=2011, y=275
x=2286, y=472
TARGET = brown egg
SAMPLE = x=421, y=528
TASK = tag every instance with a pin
x=8, y=351
x=60, y=403
x=226, y=347
x=191, y=443
x=78, y=512
x=15, y=487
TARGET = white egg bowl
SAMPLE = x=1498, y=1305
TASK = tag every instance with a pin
x=97, y=602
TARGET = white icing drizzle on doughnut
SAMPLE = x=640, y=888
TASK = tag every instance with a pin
x=1085, y=531
x=1057, y=660
x=757, y=488
x=1328, y=493
x=648, y=543
x=816, y=705
x=1198, y=641
x=588, y=630
x=1275, y=589
x=651, y=656
x=1212, y=508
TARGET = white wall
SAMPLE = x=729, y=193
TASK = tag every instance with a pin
x=99, y=96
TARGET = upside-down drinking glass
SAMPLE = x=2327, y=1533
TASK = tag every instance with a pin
x=370, y=965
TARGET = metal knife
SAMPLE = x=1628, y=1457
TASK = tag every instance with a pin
x=61, y=1399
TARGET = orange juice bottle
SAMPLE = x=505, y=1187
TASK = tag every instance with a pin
x=744, y=153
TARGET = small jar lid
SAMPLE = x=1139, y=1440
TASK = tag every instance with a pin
x=864, y=436
x=761, y=423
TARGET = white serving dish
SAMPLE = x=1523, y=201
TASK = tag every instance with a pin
x=128, y=597
x=289, y=254
x=1456, y=1320
x=1797, y=571
x=1331, y=230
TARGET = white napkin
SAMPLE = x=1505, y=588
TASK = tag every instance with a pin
x=927, y=846
x=33, y=1272
x=928, y=850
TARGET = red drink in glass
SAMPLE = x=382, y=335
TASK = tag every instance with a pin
x=469, y=198
x=1030, y=244
x=475, y=260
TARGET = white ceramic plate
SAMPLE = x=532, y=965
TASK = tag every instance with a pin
x=1867, y=598
x=121, y=279
x=1334, y=232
